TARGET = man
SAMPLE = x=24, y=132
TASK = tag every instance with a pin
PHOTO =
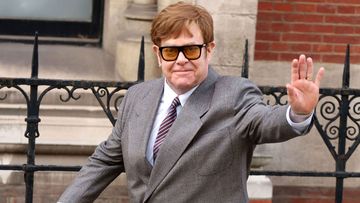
x=205, y=154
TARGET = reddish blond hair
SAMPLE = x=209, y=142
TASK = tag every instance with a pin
x=175, y=18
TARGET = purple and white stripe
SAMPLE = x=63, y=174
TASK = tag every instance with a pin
x=165, y=125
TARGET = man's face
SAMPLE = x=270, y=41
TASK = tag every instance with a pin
x=183, y=74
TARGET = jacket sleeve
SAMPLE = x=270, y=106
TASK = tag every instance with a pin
x=103, y=166
x=261, y=123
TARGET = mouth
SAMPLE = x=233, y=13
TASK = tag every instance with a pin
x=183, y=71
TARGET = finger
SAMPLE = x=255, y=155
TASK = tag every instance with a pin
x=319, y=76
x=294, y=70
x=291, y=92
x=310, y=67
x=302, y=66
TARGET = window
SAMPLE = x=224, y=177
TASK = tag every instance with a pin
x=65, y=20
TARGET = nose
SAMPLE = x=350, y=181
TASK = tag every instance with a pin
x=181, y=58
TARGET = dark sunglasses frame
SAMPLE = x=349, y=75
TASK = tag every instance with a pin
x=181, y=49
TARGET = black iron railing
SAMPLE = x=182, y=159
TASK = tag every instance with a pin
x=331, y=118
x=335, y=109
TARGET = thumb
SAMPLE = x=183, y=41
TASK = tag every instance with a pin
x=291, y=92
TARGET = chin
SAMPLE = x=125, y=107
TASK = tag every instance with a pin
x=184, y=87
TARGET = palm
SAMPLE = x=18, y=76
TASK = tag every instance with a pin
x=303, y=93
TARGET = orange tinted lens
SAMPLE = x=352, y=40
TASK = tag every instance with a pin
x=192, y=52
x=169, y=53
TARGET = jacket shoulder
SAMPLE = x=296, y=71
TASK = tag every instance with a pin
x=144, y=87
x=236, y=83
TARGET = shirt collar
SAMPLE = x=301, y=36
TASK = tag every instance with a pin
x=169, y=94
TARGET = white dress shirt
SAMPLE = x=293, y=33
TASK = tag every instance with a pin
x=300, y=123
x=164, y=107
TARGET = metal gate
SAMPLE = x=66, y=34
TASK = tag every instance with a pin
x=335, y=112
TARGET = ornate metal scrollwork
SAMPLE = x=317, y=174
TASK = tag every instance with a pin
x=32, y=125
x=277, y=98
x=105, y=95
x=5, y=95
x=353, y=128
x=117, y=102
x=22, y=91
x=274, y=95
x=70, y=95
x=104, y=92
x=328, y=112
x=63, y=98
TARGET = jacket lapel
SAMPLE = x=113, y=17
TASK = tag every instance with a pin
x=145, y=113
x=182, y=131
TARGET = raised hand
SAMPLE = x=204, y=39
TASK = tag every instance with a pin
x=303, y=92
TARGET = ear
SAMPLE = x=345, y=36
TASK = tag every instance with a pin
x=157, y=53
x=210, y=49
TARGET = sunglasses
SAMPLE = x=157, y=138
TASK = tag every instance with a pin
x=191, y=52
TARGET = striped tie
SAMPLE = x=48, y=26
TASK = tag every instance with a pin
x=165, y=125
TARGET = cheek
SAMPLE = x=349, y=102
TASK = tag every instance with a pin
x=202, y=71
x=166, y=70
x=201, y=67
x=165, y=67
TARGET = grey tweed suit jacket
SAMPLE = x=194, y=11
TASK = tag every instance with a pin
x=206, y=155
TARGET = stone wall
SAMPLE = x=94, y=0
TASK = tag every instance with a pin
x=234, y=22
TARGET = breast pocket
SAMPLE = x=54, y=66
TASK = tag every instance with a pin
x=213, y=152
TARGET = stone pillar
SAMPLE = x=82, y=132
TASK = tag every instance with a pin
x=234, y=22
x=260, y=187
x=139, y=15
x=163, y=3
x=144, y=1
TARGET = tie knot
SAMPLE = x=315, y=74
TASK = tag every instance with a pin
x=175, y=102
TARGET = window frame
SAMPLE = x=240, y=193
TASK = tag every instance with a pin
x=57, y=31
